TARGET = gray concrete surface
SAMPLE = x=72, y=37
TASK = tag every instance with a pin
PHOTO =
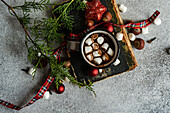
x=143, y=90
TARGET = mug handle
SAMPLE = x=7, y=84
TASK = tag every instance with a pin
x=73, y=45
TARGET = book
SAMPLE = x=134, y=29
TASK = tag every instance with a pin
x=127, y=58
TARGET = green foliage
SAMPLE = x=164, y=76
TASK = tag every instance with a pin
x=45, y=32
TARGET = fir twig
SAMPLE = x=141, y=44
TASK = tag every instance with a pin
x=46, y=31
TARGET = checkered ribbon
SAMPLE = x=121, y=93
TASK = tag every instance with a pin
x=39, y=95
x=42, y=90
x=131, y=25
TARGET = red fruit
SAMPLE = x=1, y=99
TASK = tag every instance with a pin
x=136, y=31
x=60, y=89
x=107, y=17
x=108, y=27
x=139, y=43
x=93, y=72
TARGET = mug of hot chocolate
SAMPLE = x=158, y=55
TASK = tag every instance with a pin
x=99, y=48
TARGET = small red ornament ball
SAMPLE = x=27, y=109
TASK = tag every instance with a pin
x=60, y=89
x=93, y=72
x=108, y=27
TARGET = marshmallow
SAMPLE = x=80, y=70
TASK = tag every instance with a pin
x=110, y=52
x=105, y=46
x=46, y=95
x=116, y=62
x=90, y=57
x=122, y=8
x=157, y=21
x=98, y=61
x=88, y=49
x=145, y=30
x=100, y=70
x=105, y=57
x=89, y=41
x=119, y=36
x=132, y=36
x=100, y=40
x=97, y=53
x=31, y=71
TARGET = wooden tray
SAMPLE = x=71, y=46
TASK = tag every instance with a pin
x=127, y=58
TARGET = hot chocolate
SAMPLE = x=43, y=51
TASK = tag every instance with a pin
x=98, y=49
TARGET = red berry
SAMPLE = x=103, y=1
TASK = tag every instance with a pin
x=93, y=72
x=108, y=27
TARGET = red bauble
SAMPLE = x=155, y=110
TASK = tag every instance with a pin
x=60, y=89
x=108, y=27
x=93, y=72
x=95, y=10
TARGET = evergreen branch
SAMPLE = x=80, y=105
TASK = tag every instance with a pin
x=46, y=31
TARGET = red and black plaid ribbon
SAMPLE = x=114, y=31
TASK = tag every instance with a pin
x=131, y=25
x=40, y=93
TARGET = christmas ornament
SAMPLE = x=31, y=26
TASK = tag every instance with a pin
x=139, y=43
x=93, y=72
x=108, y=27
x=95, y=10
x=60, y=89
x=107, y=17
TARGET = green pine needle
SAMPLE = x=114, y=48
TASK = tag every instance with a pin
x=46, y=32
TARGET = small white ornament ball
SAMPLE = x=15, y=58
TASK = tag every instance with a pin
x=122, y=8
x=31, y=71
x=116, y=62
x=131, y=36
x=145, y=30
x=119, y=36
x=157, y=21
x=46, y=95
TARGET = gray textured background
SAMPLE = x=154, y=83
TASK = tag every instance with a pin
x=143, y=90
